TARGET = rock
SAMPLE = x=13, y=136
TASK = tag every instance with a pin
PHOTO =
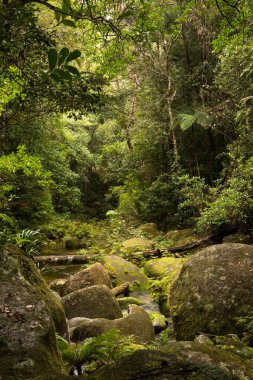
x=159, y=322
x=213, y=290
x=96, y=301
x=124, y=271
x=181, y=237
x=149, y=229
x=239, y=237
x=165, y=266
x=165, y=270
x=124, y=302
x=138, y=244
x=56, y=285
x=136, y=323
x=178, y=361
x=93, y=275
x=27, y=327
x=203, y=339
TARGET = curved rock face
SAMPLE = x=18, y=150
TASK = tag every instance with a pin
x=93, y=275
x=27, y=333
x=214, y=289
x=124, y=271
x=93, y=302
x=178, y=361
x=136, y=323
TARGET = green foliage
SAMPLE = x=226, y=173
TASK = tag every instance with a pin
x=246, y=325
x=29, y=241
x=104, y=348
x=25, y=187
x=58, y=63
x=231, y=205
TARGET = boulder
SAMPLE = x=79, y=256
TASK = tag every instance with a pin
x=149, y=229
x=29, y=313
x=96, y=301
x=138, y=244
x=57, y=284
x=124, y=271
x=239, y=237
x=178, y=361
x=93, y=275
x=181, y=237
x=124, y=302
x=136, y=323
x=159, y=322
x=165, y=266
x=212, y=291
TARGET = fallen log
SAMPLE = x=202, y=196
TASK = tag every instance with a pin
x=64, y=259
x=152, y=253
x=121, y=289
x=194, y=244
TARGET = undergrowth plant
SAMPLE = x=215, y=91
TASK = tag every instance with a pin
x=99, y=350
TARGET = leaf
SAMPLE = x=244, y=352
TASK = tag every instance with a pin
x=73, y=70
x=63, y=74
x=58, y=16
x=68, y=22
x=63, y=55
x=186, y=120
x=66, y=5
x=55, y=77
x=73, y=55
x=52, y=58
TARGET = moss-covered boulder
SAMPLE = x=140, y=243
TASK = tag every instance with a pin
x=181, y=237
x=124, y=302
x=138, y=244
x=124, y=271
x=165, y=266
x=93, y=275
x=96, y=301
x=164, y=271
x=159, y=322
x=213, y=290
x=149, y=229
x=27, y=334
x=137, y=323
x=178, y=361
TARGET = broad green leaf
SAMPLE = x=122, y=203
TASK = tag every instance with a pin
x=52, y=58
x=73, y=70
x=63, y=74
x=58, y=16
x=73, y=55
x=186, y=120
x=68, y=22
x=63, y=55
